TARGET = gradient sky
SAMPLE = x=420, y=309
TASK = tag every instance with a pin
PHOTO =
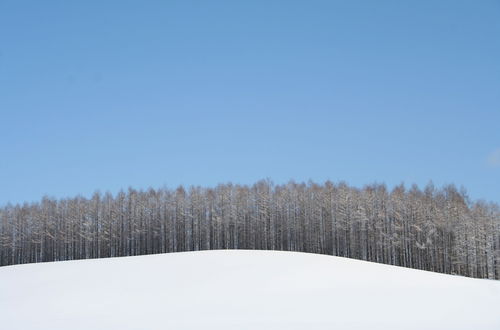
x=110, y=94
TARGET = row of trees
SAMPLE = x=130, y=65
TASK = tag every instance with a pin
x=435, y=229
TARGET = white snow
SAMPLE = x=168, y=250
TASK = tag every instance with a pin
x=241, y=290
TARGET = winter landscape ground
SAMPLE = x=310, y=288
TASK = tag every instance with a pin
x=241, y=289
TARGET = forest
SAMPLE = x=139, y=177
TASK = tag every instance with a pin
x=434, y=229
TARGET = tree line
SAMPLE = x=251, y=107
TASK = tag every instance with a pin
x=433, y=229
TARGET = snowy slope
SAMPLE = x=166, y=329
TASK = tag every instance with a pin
x=241, y=290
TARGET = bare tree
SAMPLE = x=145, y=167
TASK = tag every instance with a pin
x=435, y=229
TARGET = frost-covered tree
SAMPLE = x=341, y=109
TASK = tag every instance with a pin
x=434, y=229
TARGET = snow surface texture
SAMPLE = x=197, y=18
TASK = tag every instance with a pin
x=241, y=290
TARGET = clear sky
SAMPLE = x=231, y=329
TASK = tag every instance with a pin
x=110, y=94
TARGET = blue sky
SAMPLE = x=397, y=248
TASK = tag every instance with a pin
x=110, y=94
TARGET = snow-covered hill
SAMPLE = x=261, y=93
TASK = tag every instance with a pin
x=241, y=290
